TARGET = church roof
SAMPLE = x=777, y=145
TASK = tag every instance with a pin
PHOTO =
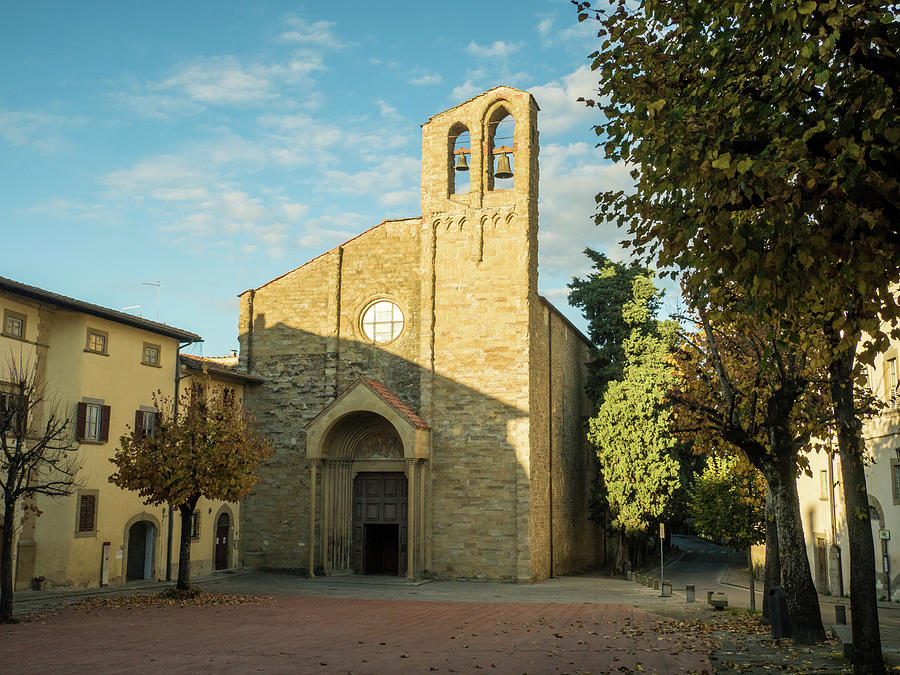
x=386, y=395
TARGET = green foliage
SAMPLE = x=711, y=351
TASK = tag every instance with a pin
x=728, y=501
x=638, y=456
x=613, y=299
x=765, y=138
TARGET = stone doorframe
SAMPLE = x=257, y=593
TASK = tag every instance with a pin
x=337, y=447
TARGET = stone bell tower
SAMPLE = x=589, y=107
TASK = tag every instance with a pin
x=479, y=263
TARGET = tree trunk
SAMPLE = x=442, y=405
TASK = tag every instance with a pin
x=867, y=657
x=752, y=579
x=773, y=560
x=184, y=550
x=802, y=598
x=6, y=568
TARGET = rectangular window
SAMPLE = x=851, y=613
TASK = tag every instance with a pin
x=97, y=341
x=13, y=324
x=144, y=422
x=823, y=485
x=150, y=355
x=195, y=525
x=890, y=373
x=895, y=480
x=87, y=513
x=92, y=422
x=13, y=408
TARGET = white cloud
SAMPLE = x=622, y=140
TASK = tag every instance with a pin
x=420, y=77
x=544, y=28
x=560, y=109
x=33, y=129
x=387, y=110
x=389, y=175
x=570, y=177
x=465, y=91
x=497, y=50
x=317, y=33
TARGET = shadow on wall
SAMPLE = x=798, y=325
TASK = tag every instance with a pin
x=485, y=518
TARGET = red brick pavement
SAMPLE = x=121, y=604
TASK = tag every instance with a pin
x=336, y=635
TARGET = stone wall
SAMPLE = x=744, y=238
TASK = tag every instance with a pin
x=472, y=360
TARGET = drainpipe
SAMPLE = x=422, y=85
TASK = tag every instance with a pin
x=550, y=424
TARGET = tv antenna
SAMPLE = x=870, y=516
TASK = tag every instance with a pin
x=157, y=284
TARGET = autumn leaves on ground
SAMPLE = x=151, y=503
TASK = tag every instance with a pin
x=229, y=632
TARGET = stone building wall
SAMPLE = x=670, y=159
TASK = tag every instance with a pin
x=472, y=360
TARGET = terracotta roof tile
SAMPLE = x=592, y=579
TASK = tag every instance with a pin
x=396, y=402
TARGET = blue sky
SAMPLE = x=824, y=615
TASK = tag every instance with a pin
x=211, y=147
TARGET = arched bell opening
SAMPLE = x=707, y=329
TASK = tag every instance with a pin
x=459, y=144
x=500, y=160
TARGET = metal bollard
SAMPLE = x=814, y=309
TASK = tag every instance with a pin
x=778, y=613
x=840, y=614
x=689, y=592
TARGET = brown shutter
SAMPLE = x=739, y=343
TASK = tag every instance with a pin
x=104, y=423
x=138, y=424
x=81, y=420
x=86, y=510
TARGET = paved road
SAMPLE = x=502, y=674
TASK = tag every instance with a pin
x=712, y=567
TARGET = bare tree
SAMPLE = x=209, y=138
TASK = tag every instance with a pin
x=38, y=457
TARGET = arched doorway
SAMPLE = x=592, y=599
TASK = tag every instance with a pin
x=141, y=541
x=370, y=452
x=223, y=527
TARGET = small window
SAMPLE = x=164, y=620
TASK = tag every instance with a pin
x=87, y=513
x=823, y=485
x=150, y=355
x=895, y=480
x=97, y=341
x=13, y=407
x=890, y=374
x=195, y=525
x=92, y=423
x=382, y=322
x=13, y=324
x=144, y=422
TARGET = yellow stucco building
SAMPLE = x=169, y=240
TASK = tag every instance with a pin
x=100, y=368
x=822, y=505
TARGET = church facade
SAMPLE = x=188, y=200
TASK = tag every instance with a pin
x=426, y=405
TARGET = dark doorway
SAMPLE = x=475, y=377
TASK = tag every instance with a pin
x=379, y=523
x=139, y=535
x=382, y=549
x=821, y=564
x=222, y=527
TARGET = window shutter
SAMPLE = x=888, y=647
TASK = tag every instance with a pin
x=138, y=424
x=104, y=423
x=81, y=421
x=86, y=511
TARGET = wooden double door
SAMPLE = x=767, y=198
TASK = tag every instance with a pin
x=379, y=523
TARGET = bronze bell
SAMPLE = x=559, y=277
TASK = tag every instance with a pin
x=503, y=169
x=462, y=164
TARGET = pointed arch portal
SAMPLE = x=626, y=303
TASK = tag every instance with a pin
x=370, y=452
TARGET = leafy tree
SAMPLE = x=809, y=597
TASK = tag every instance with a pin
x=743, y=392
x=765, y=136
x=728, y=502
x=38, y=458
x=638, y=455
x=211, y=450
